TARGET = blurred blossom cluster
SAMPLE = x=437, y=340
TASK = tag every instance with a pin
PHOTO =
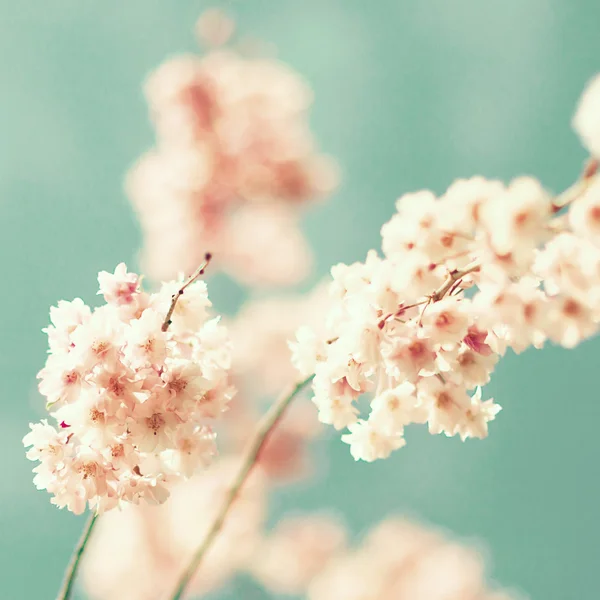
x=261, y=331
x=134, y=401
x=464, y=276
x=234, y=164
x=400, y=559
x=137, y=553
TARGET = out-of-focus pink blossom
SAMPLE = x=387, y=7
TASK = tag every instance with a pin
x=137, y=553
x=234, y=163
x=261, y=332
x=214, y=27
x=299, y=548
x=262, y=368
x=400, y=559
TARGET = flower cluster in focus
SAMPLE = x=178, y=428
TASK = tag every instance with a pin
x=134, y=397
x=234, y=162
x=464, y=276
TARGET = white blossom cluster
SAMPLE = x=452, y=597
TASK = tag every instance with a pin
x=464, y=276
x=133, y=396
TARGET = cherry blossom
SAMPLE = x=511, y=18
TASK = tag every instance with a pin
x=465, y=276
x=135, y=404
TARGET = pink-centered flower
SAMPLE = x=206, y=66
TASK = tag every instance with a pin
x=135, y=405
x=465, y=276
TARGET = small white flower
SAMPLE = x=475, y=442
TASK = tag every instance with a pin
x=477, y=417
x=447, y=404
x=120, y=287
x=448, y=320
x=307, y=350
x=570, y=321
x=146, y=342
x=397, y=407
x=369, y=442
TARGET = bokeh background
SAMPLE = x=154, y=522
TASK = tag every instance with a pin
x=408, y=95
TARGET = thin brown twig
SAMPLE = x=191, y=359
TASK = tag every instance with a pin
x=199, y=271
x=438, y=294
x=455, y=287
x=429, y=300
x=452, y=281
x=452, y=278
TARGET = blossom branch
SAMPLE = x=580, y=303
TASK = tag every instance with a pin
x=257, y=443
x=571, y=194
x=66, y=588
x=589, y=175
x=562, y=200
x=199, y=271
x=452, y=279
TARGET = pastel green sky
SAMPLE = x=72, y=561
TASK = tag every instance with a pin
x=408, y=94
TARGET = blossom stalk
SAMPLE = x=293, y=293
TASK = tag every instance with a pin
x=66, y=589
x=257, y=443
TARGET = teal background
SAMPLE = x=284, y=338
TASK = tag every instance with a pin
x=409, y=94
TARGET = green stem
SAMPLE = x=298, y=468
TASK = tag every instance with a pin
x=66, y=589
x=257, y=443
